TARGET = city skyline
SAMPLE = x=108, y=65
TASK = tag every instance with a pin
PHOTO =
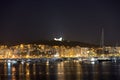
x=24, y=21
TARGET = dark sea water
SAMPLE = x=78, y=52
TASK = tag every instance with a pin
x=60, y=71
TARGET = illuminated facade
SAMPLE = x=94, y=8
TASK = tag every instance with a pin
x=38, y=51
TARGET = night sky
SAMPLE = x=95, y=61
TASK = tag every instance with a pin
x=82, y=20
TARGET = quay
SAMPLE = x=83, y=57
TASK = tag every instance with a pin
x=50, y=60
x=12, y=60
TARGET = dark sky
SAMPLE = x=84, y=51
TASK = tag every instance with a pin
x=82, y=20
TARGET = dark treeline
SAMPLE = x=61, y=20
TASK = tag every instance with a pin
x=52, y=43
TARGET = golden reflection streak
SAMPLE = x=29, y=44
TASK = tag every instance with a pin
x=34, y=69
x=27, y=71
x=47, y=70
x=20, y=69
x=79, y=70
x=5, y=69
x=60, y=70
x=13, y=73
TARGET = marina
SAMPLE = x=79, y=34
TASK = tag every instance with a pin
x=60, y=70
x=53, y=60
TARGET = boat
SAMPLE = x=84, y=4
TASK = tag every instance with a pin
x=90, y=60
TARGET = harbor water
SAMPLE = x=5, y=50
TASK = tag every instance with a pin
x=64, y=70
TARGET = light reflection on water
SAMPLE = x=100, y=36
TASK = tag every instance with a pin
x=60, y=71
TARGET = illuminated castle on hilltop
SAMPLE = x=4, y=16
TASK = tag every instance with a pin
x=58, y=39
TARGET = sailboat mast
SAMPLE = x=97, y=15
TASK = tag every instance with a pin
x=102, y=40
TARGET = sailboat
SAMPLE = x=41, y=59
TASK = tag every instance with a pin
x=102, y=51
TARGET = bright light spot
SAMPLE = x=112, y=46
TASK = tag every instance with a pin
x=9, y=64
x=88, y=51
x=27, y=56
x=47, y=63
x=56, y=55
x=93, y=62
x=21, y=46
x=13, y=56
x=92, y=59
x=58, y=39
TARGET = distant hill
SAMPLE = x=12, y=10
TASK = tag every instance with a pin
x=53, y=42
x=65, y=43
